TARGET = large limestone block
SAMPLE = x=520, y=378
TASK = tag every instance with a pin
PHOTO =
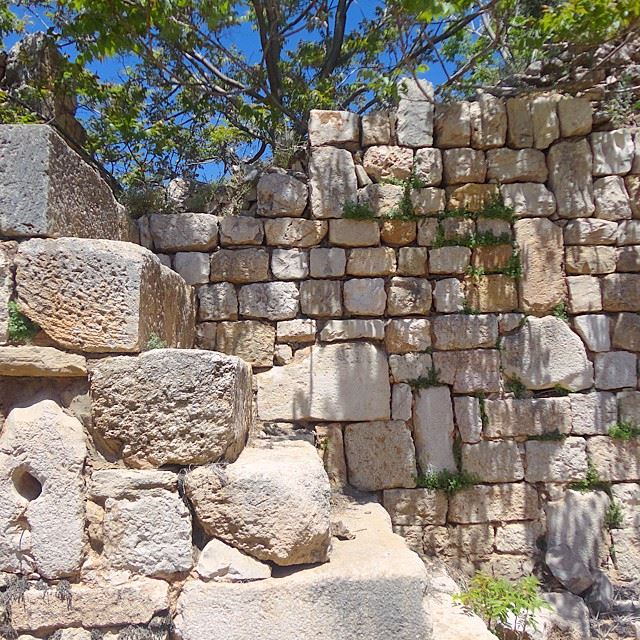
x=592, y=413
x=280, y=194
x=240, y=230
x=570, y=178
x=335, y=382
x=127, y=483
x=171, y=406
x=183, y=231
x=529, y=199
x=48, y=190
x=465, y=331
x=376, y=128
x=612, y=152
x=575, y=116
x=295, y=232
x=7, y=253
x=488, y=122
x=527, y=417
x=563, y=461
x=621, y=292
x=372, y=588
x=611, y=198
x=493, y=461
x=494, y=502
x=546, y=125
x=615, y=460
x=544, y=353
x=507, y=165
x=520, y=133
x=415, y=115
x=335, y=330
x=148, y=532
x=416, y=506
x=541, y=252
x=434, y=429
x=272, y=503
x=333, y=128
x=590, y=231
x=270, y=300
x=102, y=296
x=380, y=455
x=332, y=178
x=250, y=340
x=384, y=162
x=464, y=165
x=217, y=302
x=101, y=600
x=453, y=125
x=41, y=362
x=240, y=266
x=469, y=371
x=42, y=495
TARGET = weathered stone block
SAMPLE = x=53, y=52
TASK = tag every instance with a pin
x=339, y=128
x=101, y=296
x=407, y=334
x=570, y=166
x=497, y=502
x=590, y=231
x=183, y=231
x=590, y=260
x=508, y=165
x=380, y=455
x=354, y=233
x=217, y=302
x=594, y=331
x=529, y=199
x=520, y=537
x=621, y=292
x=472, y=197
x=612, y=201
x=303, y=330
x=335, y=330
x=464, y=165
x=381, y=198
x=453, y=125
x=427, y=166
x=398, y=232
x=250, y=340
x=492, y=293
x=294, y=232
x=575, y=117
x=520, y=132
x=43, y=495
x=192, y=266
x=40, y=362
x=365, y=296
x=414, y=119
x=488, y=122
x=270, y=300
x=628, y=259
x=612, y=152
x=584, y=294
x=468, y=418
x=7, y=254
x=377, y=128
x=384, y=161
x=564, y=461
x=48, y=190
x=240, y=265
x=289, y=264
x=465, y=331
x=221, y=562
x=615, y=370
x=527, y=417
x=272, y=503
x=469, y=371
x=416, y=506
x=408, y=296
x=321, y=298
x=374, y=261
x=428, y=200
x=332, y=180
x=447, y=260
x=545, y=353
x=615, y=460
x=412, y=261
x=629, y=405
x=240, y=230
x=410, y=366
x=401, y=402
x=626, y=332
x=592, y=413
x=171, y=388
x=433, y=429
x=448, y=295
x=541, y=251
x=493, y=461
x=546, y=125
x=280, y=194
x=335, y=382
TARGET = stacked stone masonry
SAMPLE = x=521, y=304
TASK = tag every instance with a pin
x=531, y=321
x=444, y=288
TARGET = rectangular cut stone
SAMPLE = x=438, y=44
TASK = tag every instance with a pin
x=294, y=232
x=629, y=406
x=520, y=133
x=270, y=300
x=333, y=128
x=612, y=152
x=570, y=178
x=407, y=334
x=494, y=503
x=381, y=163
x=590, y=231
x=488, y=122
x=380, y=455
x=491, y=293
x=468, y=418
x=414, y=119
x=428, y=201
x=469, y=371
x=584, y=294
x=118, y=483
x=332, y=180
x=410, y=366
x=621, y=292
x=365, y=296
x=354, y=233
x=529, y=199
x=289, y=264
x=192, y=266
x=611, y=198
x=250, y=340
x=48, y=190
x=240, y=230
x=448, y=295
x=453, y=125
x=170, y=388
x=375, y=261
x=575, y=117
x=628, y=259
x=7, y=253
x=526, y=417
x=408, y=296
x=336, y=330
x=615, y=460
x=376, y=128
x=594, y=331
x=416, y=506
x=616, y=369
x=508, y=165
x=321, y=298
x=564, y=461
x=240, y=265
x=336, y=382
x=327, y=262
x=412, y=261
x=433, y=429
x=465, y=331
x=102, y=295
x=493, y=461
x=592, y=413
x=303, y=330
x=401, y=402
x=183, y=231
x=462, y=166
x=546, y=125
x=217, y=302
x=590, y=260
x=446, y=260
x=41, y=362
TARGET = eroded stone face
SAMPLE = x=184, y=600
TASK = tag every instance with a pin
x=280, y=194
x=434, y=429
x=42, y=501
x=199, y=403
x=272, y=503
x=570, y=178
x=7, y=253
x=332, y=179
x=184, y=231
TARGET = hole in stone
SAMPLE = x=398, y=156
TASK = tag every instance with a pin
x=26, y=485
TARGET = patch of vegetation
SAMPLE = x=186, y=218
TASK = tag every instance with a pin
x=432, y=379
x=21, y=329
x=468, y=310
x=614, y=516
x=155, y=342
x=472, y=240
x=624, y=430
x=504, y=605
x=513, y=268
x=495, y=209
x=551, y=436
x=560, y=311
x=516, y=386
x=475, y=272
x=560, y=390
x=484, y=418
x=142, y=200
x=591, y=482
x=15, y=112
x=358, y=211
x=447, y=481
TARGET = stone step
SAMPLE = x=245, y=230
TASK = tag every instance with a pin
x=47, y=190
x=103, y=296
x=371, y=588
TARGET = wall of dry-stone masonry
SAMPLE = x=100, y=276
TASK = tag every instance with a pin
x=345, y=320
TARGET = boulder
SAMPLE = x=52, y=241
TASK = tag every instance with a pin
x=568, y=568
x=332, y=180
x=183, y=232
x=544, y=353
x=337, y=382
x=271, y=503
x=380, y=455
x=48, y=190
x=42, y=501
x=41, y=362
x=280, y=194
x=199, y=403
x=102, y=296
x=372, y=588
x=221, y=562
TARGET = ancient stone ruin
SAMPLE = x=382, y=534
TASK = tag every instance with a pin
x=418, y=353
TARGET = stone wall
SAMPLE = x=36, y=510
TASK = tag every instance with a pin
x=481, y=315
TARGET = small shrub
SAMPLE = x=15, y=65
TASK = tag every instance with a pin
x=142, y=200
x=560, y=311
x=475, y=272
x=503, y=604
x=591, y=482
x=515, y=386
x=447, y=481
x=432, y=379
x=614, y=516
x=155, y=342
x=21, y=329
x=624, y=430
x=358, y=211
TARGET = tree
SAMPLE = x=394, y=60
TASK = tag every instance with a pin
x=193, y=91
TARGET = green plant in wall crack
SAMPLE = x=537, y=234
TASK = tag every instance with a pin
x=432, y=379
x=504, y=605
x=591, y=481
x=624, y=430
x=358, y=211
x=614, y=516
x=155, y=342
x=21, y=329
x=516, y=386
x=560, y=311
x=447, y=481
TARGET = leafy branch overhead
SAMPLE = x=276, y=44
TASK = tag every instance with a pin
x=234, y=80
